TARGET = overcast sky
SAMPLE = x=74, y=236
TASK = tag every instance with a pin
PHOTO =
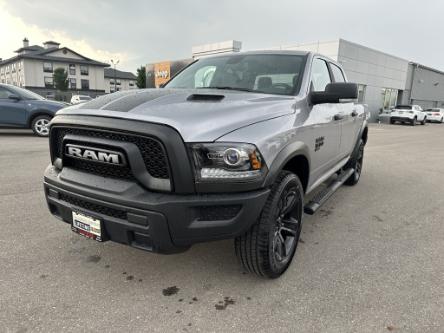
x=139, y=32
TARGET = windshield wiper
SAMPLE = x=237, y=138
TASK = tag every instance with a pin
x=229, y=88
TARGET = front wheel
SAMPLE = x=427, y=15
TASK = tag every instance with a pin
x=40, y=125
x=442, y=120
x=424, y=121
x=356, y=163
x=267, y=249
x=413, y=121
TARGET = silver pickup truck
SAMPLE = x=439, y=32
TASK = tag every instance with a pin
x=231, y=147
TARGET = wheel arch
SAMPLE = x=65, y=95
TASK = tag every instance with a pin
x=39, y=113
x=295, y=158
x=364, y=134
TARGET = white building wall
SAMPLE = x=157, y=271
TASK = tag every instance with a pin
x=379, y=72
x=329, y=49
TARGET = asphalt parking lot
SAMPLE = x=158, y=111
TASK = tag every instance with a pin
x=370, y=261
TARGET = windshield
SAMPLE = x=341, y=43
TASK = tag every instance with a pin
x=25, y=94
x=85, y=98
x=433, y=110
x=264, y=73
x=403, y=107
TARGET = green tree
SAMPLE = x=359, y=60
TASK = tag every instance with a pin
x=141, y=77
x=60, y=79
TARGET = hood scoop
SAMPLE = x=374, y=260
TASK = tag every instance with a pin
x=205, y=98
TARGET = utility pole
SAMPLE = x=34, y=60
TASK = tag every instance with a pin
x=115, y=63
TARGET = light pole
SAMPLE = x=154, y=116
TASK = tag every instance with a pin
x=115, y=63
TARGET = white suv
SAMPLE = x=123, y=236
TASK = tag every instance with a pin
x=411, y=114
x=435, y=115
x=77, y=99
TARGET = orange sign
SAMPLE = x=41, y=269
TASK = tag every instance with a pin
x=162, y=73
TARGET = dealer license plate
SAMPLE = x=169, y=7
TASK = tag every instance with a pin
x=87, y=226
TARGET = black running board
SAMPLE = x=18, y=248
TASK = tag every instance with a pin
x=320, y=198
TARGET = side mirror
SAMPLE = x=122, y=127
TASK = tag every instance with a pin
x=14, y=97
x=334, y=93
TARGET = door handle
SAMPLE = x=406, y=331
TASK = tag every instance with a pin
x=354, y=113
x=338, y=116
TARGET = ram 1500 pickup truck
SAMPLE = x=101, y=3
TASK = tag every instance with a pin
x=229, y=148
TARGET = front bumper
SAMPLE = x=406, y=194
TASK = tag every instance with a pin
x=157, y=222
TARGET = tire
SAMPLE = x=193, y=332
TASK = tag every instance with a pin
x=423, y=122
x=392, y=121
x=413, y=121
x=267, y=249
x=356, y=163
x=442, y=120
x=39, y=125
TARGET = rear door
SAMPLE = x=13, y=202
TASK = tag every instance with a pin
x=325, y=127
x=350, y=123
x=12, y=111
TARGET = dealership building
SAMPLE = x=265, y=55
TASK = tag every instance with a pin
x=384, y=80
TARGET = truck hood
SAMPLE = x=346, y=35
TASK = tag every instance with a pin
x=199, y=115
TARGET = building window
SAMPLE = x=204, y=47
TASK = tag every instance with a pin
x=85, y=84
x=389, y=98
x=118, y=82
x=83, y=70
x=49, y=82
x=47, y=67
x=361, y=93
x=131, y=83
x=72, y=83
x=72, y=69
x=111, y=82
x=7, y=69
x=14, y=68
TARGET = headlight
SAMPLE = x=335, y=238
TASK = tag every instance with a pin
x=225, y=161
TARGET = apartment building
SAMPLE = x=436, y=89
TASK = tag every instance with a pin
x=33, y=67
x=116, y=80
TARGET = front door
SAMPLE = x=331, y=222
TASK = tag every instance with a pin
x=12, y=111
x=325, y=133
x=346, y=111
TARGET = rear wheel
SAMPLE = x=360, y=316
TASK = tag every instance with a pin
x=356, y=163
x=392, y=121
x=414, y=121
x=442, y=120
x=267, y=249
x=40, y=125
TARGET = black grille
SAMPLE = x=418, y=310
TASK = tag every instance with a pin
x=117, y=213
x=151, y=150
x=217, y=213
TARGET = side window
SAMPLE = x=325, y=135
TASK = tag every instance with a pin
x=4, y=94
x=337, y=73
x=320, y=76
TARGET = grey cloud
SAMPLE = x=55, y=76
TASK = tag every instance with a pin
x=160, y=30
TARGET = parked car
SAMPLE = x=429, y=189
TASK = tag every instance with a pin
x=411, y=114
x=231, y=156
x=435, y=115
x=21, y=108
x=77, y=99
